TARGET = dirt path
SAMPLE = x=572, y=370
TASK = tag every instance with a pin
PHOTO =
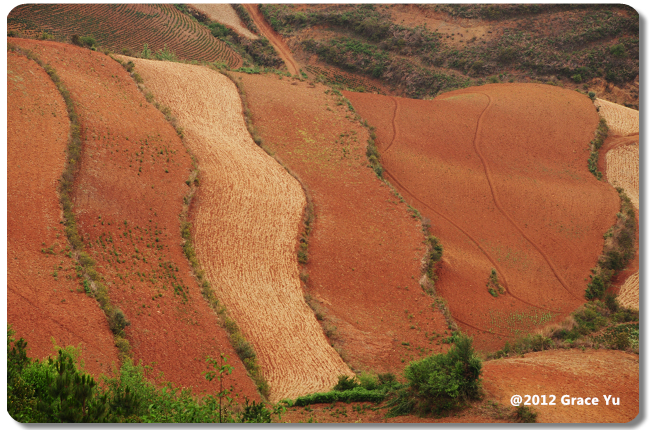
x=497, y=203
x=246, y=221
x=276, y=40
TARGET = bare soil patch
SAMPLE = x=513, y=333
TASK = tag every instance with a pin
x=226, y=15
x=365, y=249
x=589, y=373
x=128, y=196
x=502, y=175
x=246, y=220
x=45, y=301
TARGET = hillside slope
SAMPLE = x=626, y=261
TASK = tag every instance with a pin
x=45, y=301
x=246, y=221
x=502, y=175
x=128, y=195
x=366, y=250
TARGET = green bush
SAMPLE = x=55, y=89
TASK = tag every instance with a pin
x=440, y=382
x=525, y=414
x=345, y=383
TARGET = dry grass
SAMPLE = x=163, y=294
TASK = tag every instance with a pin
x=622, y=121
x=623, y=170
x=628, y=297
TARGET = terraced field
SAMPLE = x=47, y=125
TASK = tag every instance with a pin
x=365, y=249
x=348, y=80
x=501, y=174
x=130, y=26
x=45, y=301
x=226, y=15
x=623, y=170
x=128, y=196
x=246, y=222
x=622, y=121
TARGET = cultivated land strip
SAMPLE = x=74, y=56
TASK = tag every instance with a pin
x=276, y=40
x=226, y=15
x=245, y=225
x=621, y=120
x=44, y=298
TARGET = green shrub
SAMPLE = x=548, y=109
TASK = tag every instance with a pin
x=525, y=414
x=345, y=383
x=440, y=382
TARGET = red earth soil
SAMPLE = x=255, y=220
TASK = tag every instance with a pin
x=44, y=300
x=589, y=373
x=501, y=172
x=128, y=195
x=365, y=250
x=276, y=40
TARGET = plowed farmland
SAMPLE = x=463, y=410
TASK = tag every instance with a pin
x=622, y=121
x=226, y=15
x=591, y=373
x=622, y=170
x=246, y=222
x=128, y=195
x=130, y=26
x=44, y=298
x=628, y=296
x=365, y=249
x=502, y=175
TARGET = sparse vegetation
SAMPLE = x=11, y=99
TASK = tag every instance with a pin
x=618, y=251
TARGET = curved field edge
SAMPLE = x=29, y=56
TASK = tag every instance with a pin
x=34, y=241
x=245, y=196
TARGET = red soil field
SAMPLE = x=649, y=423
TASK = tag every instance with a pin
x=590, y=373
x=365, y=250
x=44, y=299
x=119, y=26
x=501, y=172
x=128, y=196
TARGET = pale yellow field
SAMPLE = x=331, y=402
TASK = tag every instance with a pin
x=623, y=170
x=245, y=227
x=622, y=121
x=226, y=15
x=629, y=294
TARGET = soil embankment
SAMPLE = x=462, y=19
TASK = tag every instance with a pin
x=128, y=196
x=365, y=248
x=503, y=178
x=246, y=219
x=274, y=38
x=45, y=301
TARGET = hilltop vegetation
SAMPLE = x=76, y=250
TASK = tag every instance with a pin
x=571, y=44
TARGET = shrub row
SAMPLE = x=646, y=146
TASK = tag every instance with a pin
x=90, y=278
x=575, y=330
x=618, y=251
x=595, y=145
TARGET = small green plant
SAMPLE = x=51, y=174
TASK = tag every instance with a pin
x=493, y=285
x=525, y=414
